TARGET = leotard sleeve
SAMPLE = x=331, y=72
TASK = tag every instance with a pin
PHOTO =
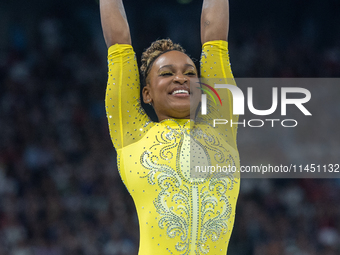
x=215, y=69
x=127, y=120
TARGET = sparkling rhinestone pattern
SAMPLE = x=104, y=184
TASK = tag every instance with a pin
x=194, y=209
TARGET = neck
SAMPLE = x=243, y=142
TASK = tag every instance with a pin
x=164, y=117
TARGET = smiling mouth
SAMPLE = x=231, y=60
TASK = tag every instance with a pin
x=180, y=92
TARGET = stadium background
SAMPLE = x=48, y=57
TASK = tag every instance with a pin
x=60, y=192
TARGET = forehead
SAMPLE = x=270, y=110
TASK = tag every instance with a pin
x=174, y=58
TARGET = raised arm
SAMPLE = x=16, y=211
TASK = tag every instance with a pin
x=215, y=66
x=214, y=20
x=114, y=22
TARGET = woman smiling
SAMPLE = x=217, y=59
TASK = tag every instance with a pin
x=180, y=211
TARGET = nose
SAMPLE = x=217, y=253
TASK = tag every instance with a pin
x=180, y=78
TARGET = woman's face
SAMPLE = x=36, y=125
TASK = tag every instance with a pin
x=171, y=86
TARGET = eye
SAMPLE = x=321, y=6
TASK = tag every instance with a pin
x=167, y=73
x=191, y=73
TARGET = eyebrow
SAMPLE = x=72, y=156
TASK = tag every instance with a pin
x=172, y=66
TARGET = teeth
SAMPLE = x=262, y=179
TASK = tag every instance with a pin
x=180, y=91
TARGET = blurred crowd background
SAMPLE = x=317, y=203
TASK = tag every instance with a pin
x=60, y=191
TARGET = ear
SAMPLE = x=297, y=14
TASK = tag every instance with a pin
x=146, y=94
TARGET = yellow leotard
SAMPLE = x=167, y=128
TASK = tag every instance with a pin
x=178, y=213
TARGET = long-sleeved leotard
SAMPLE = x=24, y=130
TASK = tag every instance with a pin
x=179, y=211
